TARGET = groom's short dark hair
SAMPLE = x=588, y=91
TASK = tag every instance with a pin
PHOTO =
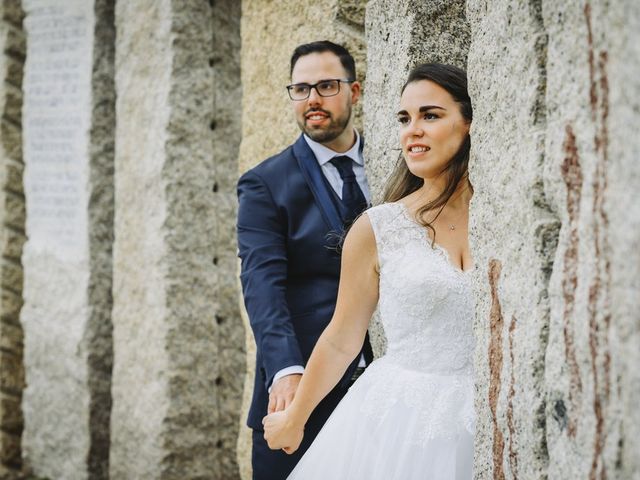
x=322, y=46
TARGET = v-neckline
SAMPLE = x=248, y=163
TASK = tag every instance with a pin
x=430, y=242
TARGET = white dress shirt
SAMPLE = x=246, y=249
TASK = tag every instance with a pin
x=323, y=156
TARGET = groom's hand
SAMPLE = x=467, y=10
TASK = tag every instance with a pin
x=282, y=392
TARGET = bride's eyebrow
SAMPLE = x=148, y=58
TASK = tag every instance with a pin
x=430, y=107
x=424, y=108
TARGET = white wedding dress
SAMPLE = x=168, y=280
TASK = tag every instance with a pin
x=410, y=415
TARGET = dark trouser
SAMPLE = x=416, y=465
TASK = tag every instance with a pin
x=275, y=464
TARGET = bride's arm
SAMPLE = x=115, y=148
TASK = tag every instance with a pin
x=340, y=342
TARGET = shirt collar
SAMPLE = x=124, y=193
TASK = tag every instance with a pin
x=324, y=154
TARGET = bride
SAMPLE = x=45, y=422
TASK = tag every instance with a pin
x=410, y=415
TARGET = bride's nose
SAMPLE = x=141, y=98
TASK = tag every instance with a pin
x=416, y=130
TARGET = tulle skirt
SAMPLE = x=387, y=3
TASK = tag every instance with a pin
x=396, y=423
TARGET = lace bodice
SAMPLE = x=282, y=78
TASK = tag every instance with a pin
x=425, y=304
x=410, y=414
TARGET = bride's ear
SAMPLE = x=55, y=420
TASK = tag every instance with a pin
x=467, y=127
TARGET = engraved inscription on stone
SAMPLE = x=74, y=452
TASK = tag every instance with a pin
x=56, y=119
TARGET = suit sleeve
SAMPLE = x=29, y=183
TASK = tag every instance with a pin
x=263, y=274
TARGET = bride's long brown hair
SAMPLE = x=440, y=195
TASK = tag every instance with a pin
x=402, y=182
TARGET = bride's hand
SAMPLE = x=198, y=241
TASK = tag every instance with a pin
x=281, y=433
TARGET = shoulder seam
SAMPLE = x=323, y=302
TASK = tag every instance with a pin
x=266, y=186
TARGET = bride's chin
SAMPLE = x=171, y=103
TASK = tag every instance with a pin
x=424, y=174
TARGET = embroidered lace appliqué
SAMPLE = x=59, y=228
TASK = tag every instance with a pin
x=426, y=309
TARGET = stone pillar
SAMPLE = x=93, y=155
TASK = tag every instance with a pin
x=12, y=235
x=592, y=376
x=270, y=32
x=173, y=378
x=513, y=233
x=554, y=224
x=227, y=130
x=401, y=34
x=68, y=139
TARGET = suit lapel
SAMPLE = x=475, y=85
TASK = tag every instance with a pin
x=315, y=179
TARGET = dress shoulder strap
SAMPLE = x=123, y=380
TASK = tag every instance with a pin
x=390, y=227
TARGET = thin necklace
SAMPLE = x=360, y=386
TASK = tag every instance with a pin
x=452, y=224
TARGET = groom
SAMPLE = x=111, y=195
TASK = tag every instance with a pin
x=293, y=209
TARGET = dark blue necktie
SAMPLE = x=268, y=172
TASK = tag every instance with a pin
x=352, y=197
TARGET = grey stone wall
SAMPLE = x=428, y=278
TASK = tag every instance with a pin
x=12, y=235
x=99, y=331
x=401, y=34
x=619, y=107
x=592, y=380
x=225, y=55
x=552, y=168
x=68, y=139
x=513, y=234
x=175, y=395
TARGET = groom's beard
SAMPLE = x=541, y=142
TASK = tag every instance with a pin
x=328, y=132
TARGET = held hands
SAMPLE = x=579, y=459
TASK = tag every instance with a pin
x=278, y=430
x=281, y=433
x=282, y=392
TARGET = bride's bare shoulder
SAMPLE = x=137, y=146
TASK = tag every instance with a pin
x=361, y=230
x=360, y=239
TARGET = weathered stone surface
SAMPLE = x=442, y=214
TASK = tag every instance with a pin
x=621, y=28
x=11, y=372
x=513, y=236
x=98, y=333
x=11, y=276
x=389, y=26
x=226, y=136
x=11, y=338
x=11, y=413
x=11, y=237
x=68, y=116
x=166, y=337
x=11, y=386
x=593, y=336
x=401, y=34
x=12, y=12
x=554, y=315
x=14, y=213
x=10, y=305
x=11, y=139
x=351, y=14
x=140, y=383
x=15, y=41
x=11, y=242
x=10, y=450
x=13, y=177
x=13, y=103
x=15, y=71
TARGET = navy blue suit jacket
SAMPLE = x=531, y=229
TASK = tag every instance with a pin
x=289, y=224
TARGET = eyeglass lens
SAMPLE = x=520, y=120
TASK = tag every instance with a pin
x=326, y=88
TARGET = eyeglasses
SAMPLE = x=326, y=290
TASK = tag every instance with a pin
x=325, y=88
